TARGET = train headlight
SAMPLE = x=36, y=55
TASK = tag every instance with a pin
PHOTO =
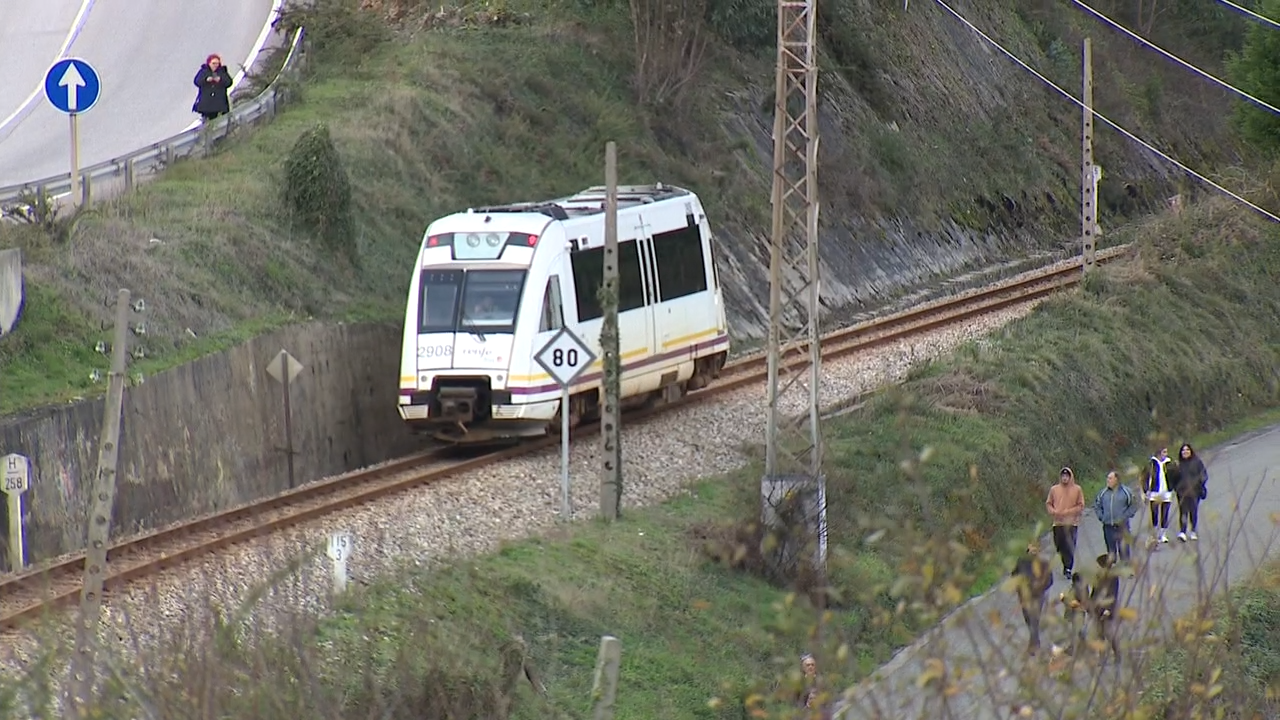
x=492, y=240
x=473, y=240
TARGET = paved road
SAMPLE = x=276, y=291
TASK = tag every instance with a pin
x=984, y=641
x=146, y=51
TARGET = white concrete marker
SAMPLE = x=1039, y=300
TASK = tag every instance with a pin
x=17, y=479
x=340, y=546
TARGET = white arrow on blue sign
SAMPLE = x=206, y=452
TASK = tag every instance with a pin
x=72, y=86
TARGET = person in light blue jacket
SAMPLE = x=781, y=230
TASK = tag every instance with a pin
x=1115, y=506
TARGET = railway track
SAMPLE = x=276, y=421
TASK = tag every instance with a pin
x=26, y=596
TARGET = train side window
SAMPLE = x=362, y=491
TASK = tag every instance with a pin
x=588, y=274
x=552, y=310
x=715, y=263
x=682, y=268
x=630, y=286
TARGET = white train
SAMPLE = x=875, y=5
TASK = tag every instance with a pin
x=492, y=285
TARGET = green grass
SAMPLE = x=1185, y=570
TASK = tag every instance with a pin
x=1237, y=653
x=953, y=477
x=1068, y=384
x=931, y=485
x=690, y=631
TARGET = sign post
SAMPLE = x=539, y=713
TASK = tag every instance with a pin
x=340, y=546
x=565, y=357
x=284, y=368
x=17, y=478
x=72, y=86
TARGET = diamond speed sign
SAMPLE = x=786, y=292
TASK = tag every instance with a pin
x=565, y=356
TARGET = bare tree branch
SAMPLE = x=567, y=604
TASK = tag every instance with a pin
x=670, y=43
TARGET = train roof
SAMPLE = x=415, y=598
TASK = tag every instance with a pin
x=590, y=201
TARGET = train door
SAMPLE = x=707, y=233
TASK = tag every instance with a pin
x=648, y=296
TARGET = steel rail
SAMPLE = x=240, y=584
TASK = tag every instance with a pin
x=40, y=590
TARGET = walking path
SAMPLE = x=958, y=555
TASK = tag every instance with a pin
x=982, y=645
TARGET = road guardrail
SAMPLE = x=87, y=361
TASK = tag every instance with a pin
x=153, y=158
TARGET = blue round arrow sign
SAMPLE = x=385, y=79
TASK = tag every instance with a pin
x=72, y=86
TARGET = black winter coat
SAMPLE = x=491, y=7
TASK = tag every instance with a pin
x=212, y=87
x=1193, y=476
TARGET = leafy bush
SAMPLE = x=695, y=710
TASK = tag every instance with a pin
x=317, y=190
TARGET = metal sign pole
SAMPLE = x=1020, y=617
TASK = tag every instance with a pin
x=565, y=357
x=75, y=159
x=284, y=369
x=288, y=429
x=566, y=506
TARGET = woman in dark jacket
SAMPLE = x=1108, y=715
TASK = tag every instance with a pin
x=213, y=82
x=1192, y=487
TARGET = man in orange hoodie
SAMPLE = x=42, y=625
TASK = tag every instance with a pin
x=1065, y=505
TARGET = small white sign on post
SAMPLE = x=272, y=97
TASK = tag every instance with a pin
x=1096, y=178
x=565, y=357
x=17, y=480
x=340, y=546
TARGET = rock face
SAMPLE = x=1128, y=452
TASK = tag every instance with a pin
x=929, y=167
x=864, y=267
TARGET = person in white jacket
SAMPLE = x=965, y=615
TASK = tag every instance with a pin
x=1158, y=486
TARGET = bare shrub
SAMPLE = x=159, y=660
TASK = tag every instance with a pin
x=670, y=43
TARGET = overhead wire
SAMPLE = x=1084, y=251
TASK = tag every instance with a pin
x=1202, y=73
x=1104, y=119
x=1253, y=15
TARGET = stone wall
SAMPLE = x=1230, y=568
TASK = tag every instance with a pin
x=208, y=435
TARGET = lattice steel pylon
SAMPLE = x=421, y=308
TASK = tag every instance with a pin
x=793, y=436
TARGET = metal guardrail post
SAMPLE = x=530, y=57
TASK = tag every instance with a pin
x=128, y=174
x=86, y=190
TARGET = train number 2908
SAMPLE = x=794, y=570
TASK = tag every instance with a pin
x=431, y=351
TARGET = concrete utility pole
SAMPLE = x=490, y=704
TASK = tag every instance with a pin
x=99, y=522
x=793, y=456
x=610, y=414
x=1088, y=178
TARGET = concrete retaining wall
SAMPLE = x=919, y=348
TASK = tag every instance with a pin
x=207, y=436
x=10, y=288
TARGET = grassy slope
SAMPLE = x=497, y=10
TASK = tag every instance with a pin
x=690, y=632
x=693, y=629
x=433, y=117
x=1240, y=645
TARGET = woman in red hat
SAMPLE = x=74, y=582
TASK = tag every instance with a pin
x=213, y=82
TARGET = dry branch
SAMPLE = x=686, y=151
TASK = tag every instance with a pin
x=671, y=41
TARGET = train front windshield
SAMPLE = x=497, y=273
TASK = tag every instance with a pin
x=472, y=301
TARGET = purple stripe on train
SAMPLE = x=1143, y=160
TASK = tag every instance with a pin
x=588, y=377
x=644, y=362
